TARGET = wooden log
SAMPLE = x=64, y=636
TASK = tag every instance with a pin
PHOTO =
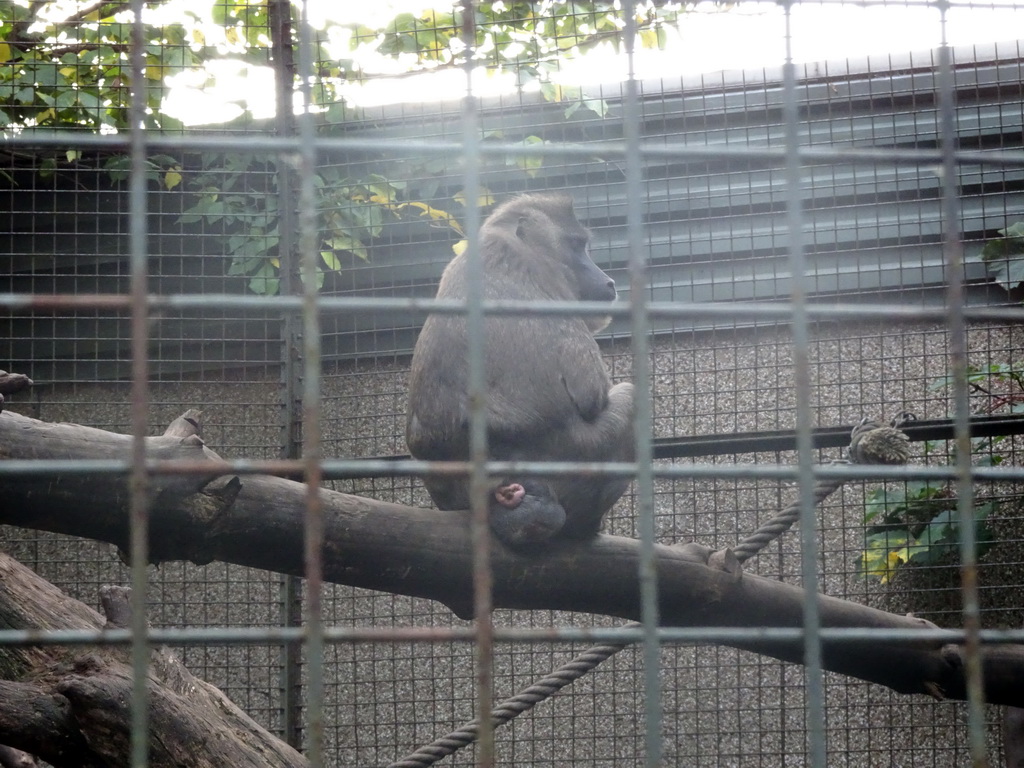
x=70, y=705
x=257, y=521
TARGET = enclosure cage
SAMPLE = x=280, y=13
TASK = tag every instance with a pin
x=801, y=240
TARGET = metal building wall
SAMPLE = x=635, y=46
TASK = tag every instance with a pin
x=715, y=228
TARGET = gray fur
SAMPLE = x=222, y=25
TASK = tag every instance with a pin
x=549, y=395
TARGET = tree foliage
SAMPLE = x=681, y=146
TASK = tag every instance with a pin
x=1004, y=256
x=918, y=521
x=66, y=66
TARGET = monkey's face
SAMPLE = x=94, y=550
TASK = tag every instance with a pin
x=538, y=245
x=592, y=282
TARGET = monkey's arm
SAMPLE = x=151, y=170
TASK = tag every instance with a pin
x=603, y=438
x=582, y=372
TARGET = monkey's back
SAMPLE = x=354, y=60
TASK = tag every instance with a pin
x=540, y=373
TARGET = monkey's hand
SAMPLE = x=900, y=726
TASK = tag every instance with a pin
x=618, y=411
x=11, y=383
x=616, y=422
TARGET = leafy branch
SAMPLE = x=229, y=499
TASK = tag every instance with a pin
x=352, y=214
x=918, y=522
x=67, y=66
x=1004, y=256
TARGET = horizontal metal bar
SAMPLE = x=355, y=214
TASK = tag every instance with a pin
x=617, y=149
x=285, y=635
x=663, y=309
x=336, y=469
x=727, y=443
x=824, y=437
x=36, y=467
x=910, y=3
x=343, y=468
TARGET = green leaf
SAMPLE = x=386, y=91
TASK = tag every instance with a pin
x=89, y=100
x=531, y=164
x=265, y=282
x=1008, y=273
x=883, y=503
x=331, y=260
x=66, y=98
x=883, y=554
x=887, y=541
x=255, y=246
x=922, y=490
x=941, y=528
x=118, y=167
x=215, y=211
x=319, y=278
x=984, y=509
x=926, y=554
x=47, y=167
x=599, y=107
x=245, y=266
x=345, y=242
x=47, y=75
x=1004, y=256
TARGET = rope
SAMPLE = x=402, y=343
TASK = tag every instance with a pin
x=870, y=443
x=783, y=521
x=512, y=707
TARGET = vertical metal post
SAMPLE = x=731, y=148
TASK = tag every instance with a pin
x=139, y=477
x=961, y=401
x=640, y=330
x=805, y=448
x=311, y=400
x=279, y=14
x=481, y=532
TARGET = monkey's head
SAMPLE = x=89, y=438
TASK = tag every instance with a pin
x=544, y=241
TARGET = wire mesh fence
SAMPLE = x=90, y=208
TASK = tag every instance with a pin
x=729, y=267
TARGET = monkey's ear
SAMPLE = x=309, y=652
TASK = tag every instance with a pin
x=520, y=231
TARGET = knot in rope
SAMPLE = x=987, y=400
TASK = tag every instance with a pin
x=872, y=442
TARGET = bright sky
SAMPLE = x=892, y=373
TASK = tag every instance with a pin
x=747, y=35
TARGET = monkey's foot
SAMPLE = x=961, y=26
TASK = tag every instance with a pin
x=525, y=513
x=721, y=560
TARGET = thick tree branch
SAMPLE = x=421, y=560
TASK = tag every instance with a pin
x=70, y=705
x=257, y=521
x=21, y=38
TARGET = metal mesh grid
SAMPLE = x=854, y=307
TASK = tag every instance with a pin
x=715, y=229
